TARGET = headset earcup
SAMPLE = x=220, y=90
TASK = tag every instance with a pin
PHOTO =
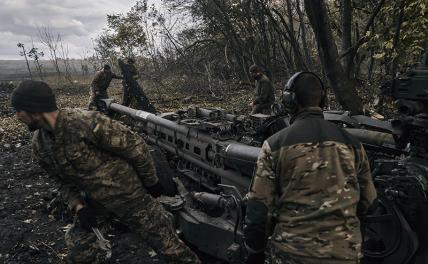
x=289, y=101
x=289, y=95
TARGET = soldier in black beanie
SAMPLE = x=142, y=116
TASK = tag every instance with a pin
x=35, y=104
x=88, y=152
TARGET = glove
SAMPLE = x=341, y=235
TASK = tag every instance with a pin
x=155, y=190
x=87, y=218
x=255, y=258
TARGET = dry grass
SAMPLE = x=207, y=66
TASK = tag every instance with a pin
x=76, y=95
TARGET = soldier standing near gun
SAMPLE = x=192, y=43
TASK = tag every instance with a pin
x=265, y=94
x=99, y=86
x=312, y=183
x=130, y=64
x=93, y=155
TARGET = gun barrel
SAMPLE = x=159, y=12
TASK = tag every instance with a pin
x=195, y=146
x=374, y=138
x=154, y=120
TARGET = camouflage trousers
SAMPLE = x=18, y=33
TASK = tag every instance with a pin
x=149, y=220
x=261, y=109
x=126, y=97
x=279, y=257
x=93, y=104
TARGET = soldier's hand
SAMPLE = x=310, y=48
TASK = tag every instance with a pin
x=87, y=218
x=155, y=190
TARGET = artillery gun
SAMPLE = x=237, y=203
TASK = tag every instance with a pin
x=213, y=156
x=396, y=232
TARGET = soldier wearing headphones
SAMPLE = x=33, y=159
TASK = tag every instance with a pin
x=312, y=183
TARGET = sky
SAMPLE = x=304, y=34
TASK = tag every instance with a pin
x=78, y=22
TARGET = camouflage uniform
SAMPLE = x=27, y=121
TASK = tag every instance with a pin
x=99, y=86
x=265, y=96
x=126, y=98
x=90, y=153
x=313, y=180
x=279, y=257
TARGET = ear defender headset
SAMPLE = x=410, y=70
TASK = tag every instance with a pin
x=289, y=98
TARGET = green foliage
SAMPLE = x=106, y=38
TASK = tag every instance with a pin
x=35, y=54
x=125, y=34
x=209, y=44
x=406, y=48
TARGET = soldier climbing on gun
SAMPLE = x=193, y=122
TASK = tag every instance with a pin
x=127, y=95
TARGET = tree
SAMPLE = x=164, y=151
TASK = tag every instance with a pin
x=346, y=19
x=51, y=41
x=63, y=52
x=343, y=88
x=105, y=49
x=127, y=31
x=35, y=54
x=214, y=41
x=24, y=53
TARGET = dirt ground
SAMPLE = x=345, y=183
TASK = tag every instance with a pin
x=32, y=227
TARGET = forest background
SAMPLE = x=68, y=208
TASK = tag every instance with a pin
x=197, y=52
x=204, y=47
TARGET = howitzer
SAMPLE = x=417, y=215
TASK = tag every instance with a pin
x=396, y=232
x=215, y=156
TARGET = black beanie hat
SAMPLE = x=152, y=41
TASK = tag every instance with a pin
x=34, y=97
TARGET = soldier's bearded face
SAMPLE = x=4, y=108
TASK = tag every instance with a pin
x=32, y=120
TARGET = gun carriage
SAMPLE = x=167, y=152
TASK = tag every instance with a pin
x=214, y=155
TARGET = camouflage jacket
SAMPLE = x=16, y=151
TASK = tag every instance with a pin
x=265, y=93
x=314, y=179
x=91, y=153
x=101, y=81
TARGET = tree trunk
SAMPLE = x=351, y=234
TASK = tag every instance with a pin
x=26, y=60
x=295, y=52
x=39, y=68
x=304, y=37
x=346, y=20
x=343, y=88
x=396, y=39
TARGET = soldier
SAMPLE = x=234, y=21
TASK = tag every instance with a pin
x=99, y=86
x=132, y=68
x=313, y=181
x=90, y=154
x=265, y=94
x=126, y=98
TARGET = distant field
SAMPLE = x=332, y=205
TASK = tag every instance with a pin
x=12, y=70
